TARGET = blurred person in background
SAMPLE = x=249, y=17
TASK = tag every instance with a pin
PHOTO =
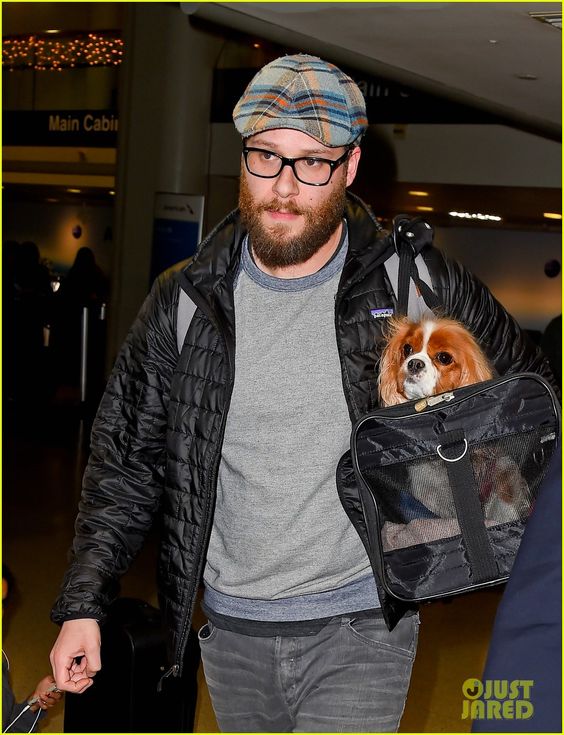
x=85, y=285
x=32, y=312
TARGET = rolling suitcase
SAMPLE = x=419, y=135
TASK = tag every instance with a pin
x=124, y=696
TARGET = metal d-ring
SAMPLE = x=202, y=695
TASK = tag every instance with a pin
x=446, y=459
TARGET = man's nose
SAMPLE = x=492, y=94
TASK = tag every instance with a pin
x=415, y=366
x=286, y=184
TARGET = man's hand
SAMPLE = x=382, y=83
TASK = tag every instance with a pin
x=75, y=657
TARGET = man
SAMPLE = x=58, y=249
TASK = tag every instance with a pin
x=234, y=442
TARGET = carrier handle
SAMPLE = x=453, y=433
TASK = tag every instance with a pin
x=457, y=459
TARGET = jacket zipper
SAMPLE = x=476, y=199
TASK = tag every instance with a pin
x=176, y=669
x=173, y=671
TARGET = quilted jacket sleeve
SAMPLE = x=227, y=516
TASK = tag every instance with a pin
x=508, y=347
x=124, y=478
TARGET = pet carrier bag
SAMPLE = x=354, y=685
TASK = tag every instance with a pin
x=443, y=486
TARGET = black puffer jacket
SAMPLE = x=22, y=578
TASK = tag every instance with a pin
x=157, y=438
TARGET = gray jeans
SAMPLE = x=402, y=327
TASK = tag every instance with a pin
x=352, y=676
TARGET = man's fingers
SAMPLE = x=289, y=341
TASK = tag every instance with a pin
x=71, y=676
x=78, y=665
x=77, y=687
x=87, y=662
x=63, y=671
x=91, y=661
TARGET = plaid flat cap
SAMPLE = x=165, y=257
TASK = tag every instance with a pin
x=304, y=93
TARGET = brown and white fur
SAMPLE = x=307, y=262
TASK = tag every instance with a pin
x=425, y=358
x=434, y=356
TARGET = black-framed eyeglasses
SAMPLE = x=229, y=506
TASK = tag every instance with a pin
x=309, y=170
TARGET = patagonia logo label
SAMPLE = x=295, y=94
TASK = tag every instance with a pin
x=381, y=313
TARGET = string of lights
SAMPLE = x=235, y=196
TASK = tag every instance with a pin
x=45, y=53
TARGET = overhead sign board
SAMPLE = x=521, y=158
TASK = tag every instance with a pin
x=89, y=128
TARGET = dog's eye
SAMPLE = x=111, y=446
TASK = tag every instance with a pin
x=407, y=350
x=444, y=358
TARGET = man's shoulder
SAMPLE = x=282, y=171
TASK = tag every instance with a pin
x=359, y=212
x=171, y=271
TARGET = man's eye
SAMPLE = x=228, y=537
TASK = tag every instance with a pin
x=444, y=358
x=407, y=350
x=266, y=156
x=311, y=162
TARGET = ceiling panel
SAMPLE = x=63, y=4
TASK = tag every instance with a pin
x=494, y=56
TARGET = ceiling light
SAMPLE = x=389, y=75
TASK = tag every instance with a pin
x=527, y=77
x=256, y=45
x=424, y=209
x=74, y=191
x=111, y=192
x=476, y=216
x=52, y=200
x=552, y=215
x=52, y=30
x=415, y=193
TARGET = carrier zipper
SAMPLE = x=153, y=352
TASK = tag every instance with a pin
x=399, y=409
x=432, y=401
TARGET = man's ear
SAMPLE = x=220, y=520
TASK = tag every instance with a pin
x=352, y=167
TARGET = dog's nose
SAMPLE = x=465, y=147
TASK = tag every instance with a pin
x=415, y=366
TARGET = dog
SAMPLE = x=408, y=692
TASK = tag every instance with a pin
x=423, y=359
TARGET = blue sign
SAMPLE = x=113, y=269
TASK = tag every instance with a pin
x=177, y=230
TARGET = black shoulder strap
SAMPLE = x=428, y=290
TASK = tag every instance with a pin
x=410, y=236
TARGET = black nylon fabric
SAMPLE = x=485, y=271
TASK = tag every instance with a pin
x=498, y=409
x=408, y=571
x=359, y=514
x=157, y=436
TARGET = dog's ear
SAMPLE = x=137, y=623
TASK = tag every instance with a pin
x=475, y=366
x=389, y=366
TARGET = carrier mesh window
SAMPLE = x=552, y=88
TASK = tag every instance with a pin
x=416, y=501
x=508, y=472
x=420, y=508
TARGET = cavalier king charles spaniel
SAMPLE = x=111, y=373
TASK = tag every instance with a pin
x=425, y=358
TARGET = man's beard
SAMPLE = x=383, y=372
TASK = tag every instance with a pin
x=271, y=245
